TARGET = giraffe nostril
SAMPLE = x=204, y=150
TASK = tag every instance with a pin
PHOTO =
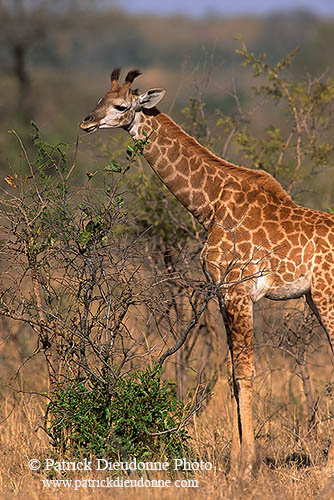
x=88, y=118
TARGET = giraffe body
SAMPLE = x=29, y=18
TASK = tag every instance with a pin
x=259, y=242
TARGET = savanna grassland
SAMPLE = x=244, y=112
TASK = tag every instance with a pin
x=100, y=277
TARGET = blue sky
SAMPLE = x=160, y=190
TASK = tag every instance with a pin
x=224, y=7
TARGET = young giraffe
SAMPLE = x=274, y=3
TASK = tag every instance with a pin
x=259, y=242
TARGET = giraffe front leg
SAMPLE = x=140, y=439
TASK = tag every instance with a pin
x=238, y=318
x=236, y=437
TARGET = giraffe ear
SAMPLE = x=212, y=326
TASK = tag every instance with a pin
x=151, y=98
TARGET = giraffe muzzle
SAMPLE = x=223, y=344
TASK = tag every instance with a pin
x=87, y=124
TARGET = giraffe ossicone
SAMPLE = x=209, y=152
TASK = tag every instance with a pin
x=260, y=243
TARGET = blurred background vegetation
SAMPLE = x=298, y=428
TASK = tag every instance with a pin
x=55, y=58
x=232, y=85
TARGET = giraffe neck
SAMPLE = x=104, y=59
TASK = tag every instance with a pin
x=181, y=163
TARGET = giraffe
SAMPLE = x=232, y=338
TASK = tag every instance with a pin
x=260, y=243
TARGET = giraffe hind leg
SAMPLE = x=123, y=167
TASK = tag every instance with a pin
x=323, y=308
x=320, y=309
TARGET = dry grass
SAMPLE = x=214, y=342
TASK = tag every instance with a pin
x=281, y=428
x=21, y=440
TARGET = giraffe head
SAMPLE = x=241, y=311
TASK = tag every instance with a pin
x=118, y=107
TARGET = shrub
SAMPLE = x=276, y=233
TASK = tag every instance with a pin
x=137, y=416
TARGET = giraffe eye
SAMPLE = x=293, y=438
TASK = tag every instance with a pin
x=120, y=108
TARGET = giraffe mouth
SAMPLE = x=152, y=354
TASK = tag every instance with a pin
x=91, y=128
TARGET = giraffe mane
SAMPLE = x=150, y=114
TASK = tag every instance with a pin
x=263, y=179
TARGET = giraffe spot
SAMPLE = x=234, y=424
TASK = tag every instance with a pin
x=183, y=166
x=253, y=218
x=260, y=237
x=303, y=240
x=212, y=187
x=295, y=254
x=285, y=213
x=303, y=270
x=322, y=230
x=282, y=248
x=227, y=195
x=239, y=197
x=262, y=200
x=162, y=164
x=275, y=237
x=312, y=215
x=270, y=212
x=290, y=267
x=322, y=243
x=195, y=163
x=325, y=265
x=309, y=250
x=288, y=226
x=197, y=179
x=251, y=196
x=210, y=170
x=173, y=152
x=154, y=151
x=179, y=183
x=330, y=258
x=294, y=239
x=169, y=171
x=215, y=237
x=271, y=228
x=184, y=198
x=245, y=248
x=167, y=141
x=233, y=185
x=331, y=239
x=198, y=199
x=328, y=277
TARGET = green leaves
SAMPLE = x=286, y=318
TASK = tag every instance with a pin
x=128, y=421
x=132, y=152
x=113, y=167
x=302, y=142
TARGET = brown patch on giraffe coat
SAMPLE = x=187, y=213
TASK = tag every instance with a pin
x=199, y=199
x=239, y=198
x=260, y=237
x=197, y=179
x=285, y=213
x=168, y=171
x=288, y=226
x=330, y=257
x=322, y=231
x=210, y=170
x=179, y=183
x=184, y=197
x=212, y=187
x=270, y=212
x=303, y=240
x=183, y=166
x=154, y=151
x=295, y=254
x=162, y=164
x=251, y=196
x=271, y=227
x=290, y=267
x=232, y=185
x=294, y=239
x=173, y=152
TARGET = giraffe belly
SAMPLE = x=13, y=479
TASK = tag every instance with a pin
x=291, y=290
x=268, y=287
